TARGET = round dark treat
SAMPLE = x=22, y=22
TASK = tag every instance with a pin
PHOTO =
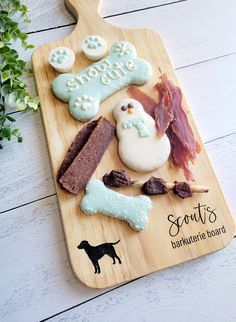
x=182, y=189
x=123, y=108
x=154, y=186
x=117, y=178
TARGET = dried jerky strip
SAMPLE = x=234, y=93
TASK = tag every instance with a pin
x=149, y=104
x=85, y=163
x=163, y=114
x=77, y=145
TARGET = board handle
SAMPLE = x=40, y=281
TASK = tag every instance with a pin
x=85, y=10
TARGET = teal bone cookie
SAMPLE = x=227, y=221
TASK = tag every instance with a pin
x=133, y=210
x=84, y=91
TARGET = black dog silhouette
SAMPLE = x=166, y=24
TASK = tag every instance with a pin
x=96, y=252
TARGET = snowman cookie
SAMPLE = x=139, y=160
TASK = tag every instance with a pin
x=140, y=148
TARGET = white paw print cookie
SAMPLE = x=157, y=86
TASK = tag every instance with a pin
x=94, y=47
x=61, y=59
x=83, y=102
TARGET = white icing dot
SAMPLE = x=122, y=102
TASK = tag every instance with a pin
x=84, y=97
x=76, y=104
x=78, y=99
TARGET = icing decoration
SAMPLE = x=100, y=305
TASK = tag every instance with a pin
x=139, y=123
x=61, y=59
x=102, y=79
x=122, y=49
x=93, y=42
x=97, y=252
x=59, y=56
x=94, y=47
x=83, y=102
x=140, y=148
x=133, y=210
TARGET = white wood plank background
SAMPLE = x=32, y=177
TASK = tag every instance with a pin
x=36, y=281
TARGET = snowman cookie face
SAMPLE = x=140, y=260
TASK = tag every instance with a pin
x=140, y=148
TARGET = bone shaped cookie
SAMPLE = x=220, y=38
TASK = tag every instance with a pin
x=133, y=210
x=85, y=91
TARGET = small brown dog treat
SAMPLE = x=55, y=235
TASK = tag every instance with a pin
x=117, y=178
x=182, y=189
x=86, y=161
x=154, y=186
x=77, y=145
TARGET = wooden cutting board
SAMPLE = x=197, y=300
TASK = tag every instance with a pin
x=162, y=244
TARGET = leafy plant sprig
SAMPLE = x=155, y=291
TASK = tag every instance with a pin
x=13, y=91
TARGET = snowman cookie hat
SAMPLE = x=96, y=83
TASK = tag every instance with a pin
x=140, y=148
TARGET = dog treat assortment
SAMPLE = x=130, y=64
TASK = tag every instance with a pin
x=91, y=144
x=171, y=118
x=154, y=186
x=85, y=91
x=61, y=59
x=94, y=47
x=140, y=148
x=148, y=132
x=100, y=199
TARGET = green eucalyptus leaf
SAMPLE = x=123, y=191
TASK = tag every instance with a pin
x=11, y=119
x=15, y=132
x=6, y=133
x=5, y=75
x=5, y=89
x=23, y=36
x=11, y=100
x=13, y=90
x=20, y=105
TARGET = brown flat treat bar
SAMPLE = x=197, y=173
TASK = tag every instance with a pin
x=77, y=145
x=86, y=161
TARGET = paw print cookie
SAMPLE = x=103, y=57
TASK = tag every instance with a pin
x=94, y=47
x=61, y=59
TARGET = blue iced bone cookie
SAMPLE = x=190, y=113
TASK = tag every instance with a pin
x=85, y=91
x=133, y=210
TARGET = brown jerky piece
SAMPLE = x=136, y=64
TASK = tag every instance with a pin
x=77, y=145
x=154, y=186
x=85, y=163
x=117, y=178
x=149, y=104
x=182, y=189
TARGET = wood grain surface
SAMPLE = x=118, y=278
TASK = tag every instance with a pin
x=48, y=286
x=101, y=229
